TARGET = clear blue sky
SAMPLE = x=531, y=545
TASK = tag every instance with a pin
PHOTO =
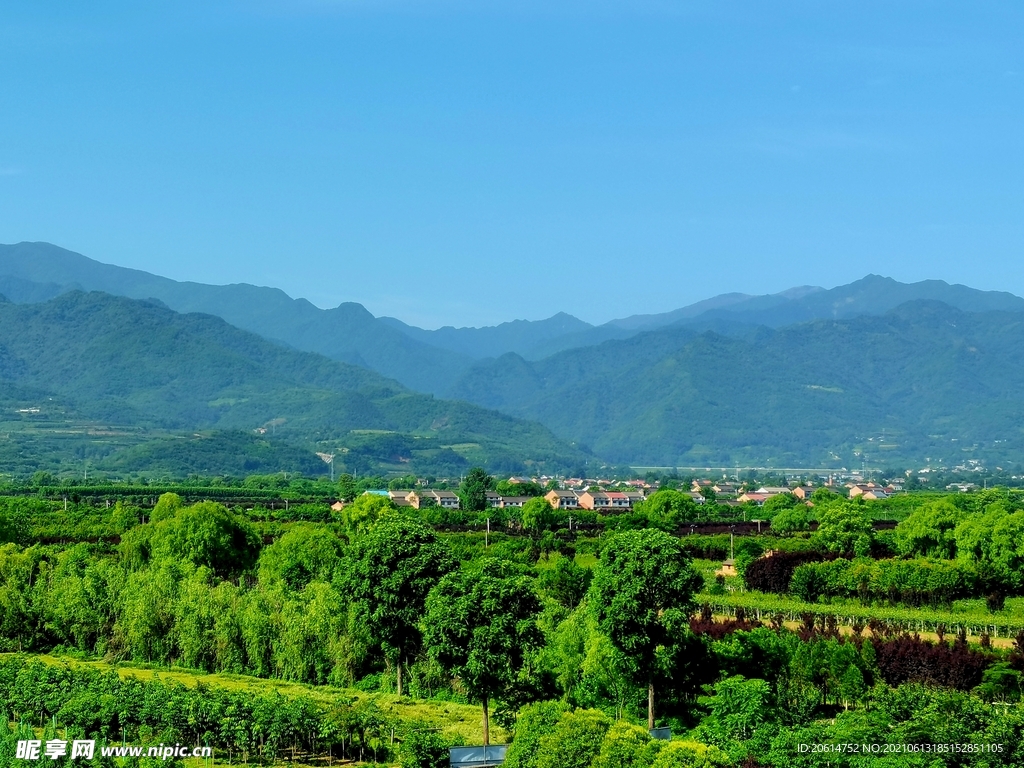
x=472, y=162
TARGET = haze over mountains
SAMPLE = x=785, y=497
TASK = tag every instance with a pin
x=876, y=372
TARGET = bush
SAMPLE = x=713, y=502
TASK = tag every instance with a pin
x=913, y=582
x=535, y=721
x=626, y=746
x=426, y=749
x=909, y=659
x=774, y=572
x=575, y=740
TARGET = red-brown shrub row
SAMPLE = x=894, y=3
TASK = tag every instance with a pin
x=909, y=659
x=705, y=624
x=773, y=573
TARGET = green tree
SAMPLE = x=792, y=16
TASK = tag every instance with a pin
x=790, y=520
x=777, y=503
x=690, y=754
x=303, y=554
x=209, y=535
x=394, y=567
x=481, y=626
x=505, y=488
x=669, y=507
x=534, y=722
x=538, y=516
x=844, y=528
x=347, y=489
x=1007, y=550
x=362, y=513
x=929, y=531
x=166, y=506
x=566, y=582
x=473, y=490
x=738, y=708
x=14, y=526
x=642, y=593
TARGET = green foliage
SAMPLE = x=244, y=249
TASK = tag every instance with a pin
x=929, y=531
x=303, y=554
x=690, y=754
x=844, y=528
x=505, y=488
x=535, y=721
x=790, y=520
x=566, y=582
x=14, y=522
x=642, y=593
x=914, y=582
x=736, y=710
x=538, y=515
x=425, y=749
x=473, y=490
x=481, y=626
x=249, y=725
x=359, y=516
x=394, y=567
x=206, y=534
x=626, y=746
x=575, y=740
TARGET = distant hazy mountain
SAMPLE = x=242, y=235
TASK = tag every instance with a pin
x=924, y=380
x=137, y=364
x=37, y=271
x=737, y=314
x=872, y=295
x=806, y=375
x=519, y=336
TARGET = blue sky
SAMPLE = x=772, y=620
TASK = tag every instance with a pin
x=472, y=162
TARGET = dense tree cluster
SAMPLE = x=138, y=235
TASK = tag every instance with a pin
x=575, y=654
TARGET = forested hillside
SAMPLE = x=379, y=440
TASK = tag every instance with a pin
x=138, y=366
x=348, y=332
x=924, y=380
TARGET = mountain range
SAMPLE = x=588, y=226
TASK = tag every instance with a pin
x=874, y=372
x=117, y=372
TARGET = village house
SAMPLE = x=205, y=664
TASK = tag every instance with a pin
x=858, y=489
x=430, y=498
x=563, y=499
x=874, y=494
x=595, y=500
x=757, y=497
x=514, y=501
x=401, y=498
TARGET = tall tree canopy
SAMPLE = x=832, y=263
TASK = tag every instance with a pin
x=473, y=490
x=642, y=594
x=481, y=626
x=394, y=567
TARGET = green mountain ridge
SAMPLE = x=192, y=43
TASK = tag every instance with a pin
x=924, y=381
x=349, y=333
x=140, y=366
